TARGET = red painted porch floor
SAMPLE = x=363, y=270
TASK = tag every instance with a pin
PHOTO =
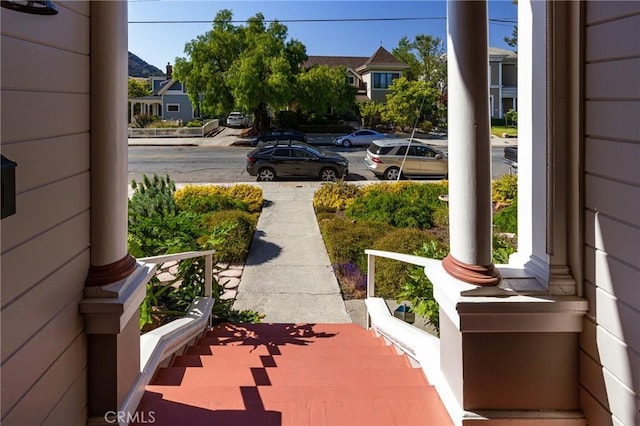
x=291, y=374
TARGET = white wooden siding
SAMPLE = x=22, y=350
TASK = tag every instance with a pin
x=45, y=67
x=610, y=344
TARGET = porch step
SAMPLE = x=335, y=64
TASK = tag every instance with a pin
x=292, y=374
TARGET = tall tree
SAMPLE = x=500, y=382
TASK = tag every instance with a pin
x=513, y=40
x=321, y=88
x=405, y=52
x=249, y=67
x=409, y=102
x=426, y=57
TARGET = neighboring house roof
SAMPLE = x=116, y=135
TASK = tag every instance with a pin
x=164, y=86
x=504, y=53
x=383, y=57
x=357, y=63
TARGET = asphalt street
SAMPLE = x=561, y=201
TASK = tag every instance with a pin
x=222, y=159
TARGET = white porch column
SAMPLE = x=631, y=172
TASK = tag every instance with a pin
x=470, y=209
x=115, y=285
x=110, y=261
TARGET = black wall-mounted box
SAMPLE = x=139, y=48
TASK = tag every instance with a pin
x=8, y=187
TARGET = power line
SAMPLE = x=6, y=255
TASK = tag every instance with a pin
x=434, y=18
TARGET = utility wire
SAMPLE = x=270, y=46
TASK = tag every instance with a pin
x=433, y=18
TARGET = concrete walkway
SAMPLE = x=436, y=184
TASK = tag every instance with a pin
x=288, y=275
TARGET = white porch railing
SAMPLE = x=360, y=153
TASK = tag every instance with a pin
x=174, y=132
x=422, y=347
x=159, y=344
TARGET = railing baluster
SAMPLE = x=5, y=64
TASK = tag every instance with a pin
x=208, y=275
x=371, y=281
x=371, y=273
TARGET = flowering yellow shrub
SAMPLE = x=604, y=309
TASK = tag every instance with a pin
x=334, y=196
x=216, y=197
x=250, y=194
x=504, y=190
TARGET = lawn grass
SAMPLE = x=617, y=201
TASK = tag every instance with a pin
x=500, y=130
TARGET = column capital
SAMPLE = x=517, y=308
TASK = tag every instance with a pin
x=481, y=275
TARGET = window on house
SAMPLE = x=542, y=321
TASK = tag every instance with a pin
x=351, y=80
x=382, y=80
x=173, y=107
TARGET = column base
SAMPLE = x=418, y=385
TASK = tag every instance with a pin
x=109, y=274
x=481, y=275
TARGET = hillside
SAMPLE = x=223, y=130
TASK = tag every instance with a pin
x=139, y=68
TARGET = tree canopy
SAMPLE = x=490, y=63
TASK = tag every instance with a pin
x=426, y=77
x=321, y=88
x=426, y=58
x=248, y=68
x=411, y=102
x=137, y=88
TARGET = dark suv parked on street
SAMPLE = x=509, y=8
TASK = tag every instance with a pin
x=280, y=135
x=295, y=159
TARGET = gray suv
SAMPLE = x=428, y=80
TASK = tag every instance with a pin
x=295, y=159
x=394, y=158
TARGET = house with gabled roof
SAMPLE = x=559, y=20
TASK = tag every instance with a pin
x=169, y=99
x=372, y=75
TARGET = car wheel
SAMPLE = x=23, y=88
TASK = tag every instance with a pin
x=266, y=175
x=346, y=143
x=392, y=173
x=328, y=175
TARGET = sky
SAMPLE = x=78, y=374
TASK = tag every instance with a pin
x=160, y=43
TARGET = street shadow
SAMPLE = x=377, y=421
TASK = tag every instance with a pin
x=351, y=177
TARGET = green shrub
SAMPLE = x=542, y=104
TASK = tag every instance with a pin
x=163, y=220
x=426, y=126
x=511, y=118
x=155, y=225
x=441, y=216
x=503, y=246
x=418, y=289
x=234, y=244
x=144, y=120
x=506, y=219
x=398, y=204
x=194, y=123
x=346, y=241
x=333, y=196
x=287, y=119
x=391, y=274
x=504, y=190
x=151, y=197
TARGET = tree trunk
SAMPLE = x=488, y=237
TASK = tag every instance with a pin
x=260, y=118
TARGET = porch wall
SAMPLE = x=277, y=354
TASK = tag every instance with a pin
x=610, y=344
x=45, y=244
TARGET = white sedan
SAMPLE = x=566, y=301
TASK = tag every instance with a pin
x=359, y=137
